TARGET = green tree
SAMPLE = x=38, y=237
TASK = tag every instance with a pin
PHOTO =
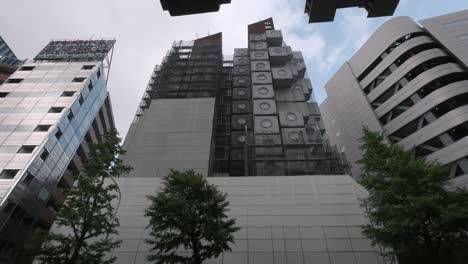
x=411, y=211
x=86, y=220
x=188, y=214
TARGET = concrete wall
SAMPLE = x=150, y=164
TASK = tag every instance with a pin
x=345, y=112
x=283, y=220
x=452, y=31
x=171, y=134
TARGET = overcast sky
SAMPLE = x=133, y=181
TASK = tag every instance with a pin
x=144, y=33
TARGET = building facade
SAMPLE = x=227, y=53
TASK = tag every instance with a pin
x=8, y=61
x=411, y=83
x=324, y=10
x=50, y=109
x=283, y=220
x=249, y=115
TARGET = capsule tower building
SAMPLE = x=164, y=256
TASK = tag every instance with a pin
x=249, y=115
x=247, y=122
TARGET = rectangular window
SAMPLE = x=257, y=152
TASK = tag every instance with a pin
x=87, y=67
x=27, y=179
x=81, y=101
x=56, y=109
x=90, y=86
x=70, y=116
x=68, y=94
x=78, y=79
x=8, y=174
x=14, y=80
x=4, y=94
x=8, y=207
x=98, y=73
x=45, y=154
x=58, y=134
x=42, y=128
x=26, y=149
x=27, y=68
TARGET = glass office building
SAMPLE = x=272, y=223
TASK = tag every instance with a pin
x=50, y=109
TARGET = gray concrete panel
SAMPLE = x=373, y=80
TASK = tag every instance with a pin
x=383, y=37
x=397, y=52
x=316, y=218
x=345, y=112
x=174, y=134
x=426, y=104
x=403, y=70
x=452, y=31
x=416, y=84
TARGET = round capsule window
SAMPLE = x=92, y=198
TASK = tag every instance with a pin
x=241, y=121
x=262, y=77
x=258, y=54
x=242, y=60
x=282, y=72
x=291, y=117
x=261, y=65
x=242, y=106
x=241, y=138
x=263, y=90
x=266, y=123
x=298, y=87
x=241, y=70
x=241, y=92
x=241, y=80
x=265, y=106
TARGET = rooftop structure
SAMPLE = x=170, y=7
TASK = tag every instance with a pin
x=189, y=7
x=324, y=10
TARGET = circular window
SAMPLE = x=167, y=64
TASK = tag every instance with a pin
x=242, y=60
x=241, y=106
x=241, y=92
x=263, y=90
x=265, y=106
x=310, y=131
x=242, y=52
x=259, y=45
x=294, y=136
x=282, y=72
x=258, y=54
x=241, y=80
x=241, y=121
x=262, y=77
x=267, y=123
x=260, y=65
x=241, y=138
x=291, y=117
x=298, y=87
x=241, y=70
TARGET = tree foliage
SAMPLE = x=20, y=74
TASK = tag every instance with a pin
x=86, y=221
x=411, y=211
x=188, y=214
